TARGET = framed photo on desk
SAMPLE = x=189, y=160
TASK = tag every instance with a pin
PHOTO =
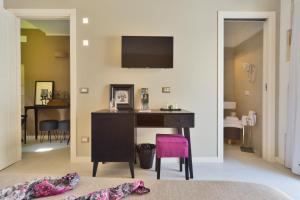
x=122, y=95
x=43, y=92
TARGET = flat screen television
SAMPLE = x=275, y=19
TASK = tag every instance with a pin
x=147, y=52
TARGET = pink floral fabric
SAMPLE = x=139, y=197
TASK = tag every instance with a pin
x=115, y=193
x=40, y=188
x=53, y=186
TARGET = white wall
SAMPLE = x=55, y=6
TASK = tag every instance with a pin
x=193, y=80
x=285, y=23
x=1, y=3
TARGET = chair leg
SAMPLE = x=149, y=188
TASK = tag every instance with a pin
x=42, y=137
x=62, y=136
x=56, y=134
x=158, y=160
x=186, y=163
x=180, y=164
x=49, y=133
x=68, y=140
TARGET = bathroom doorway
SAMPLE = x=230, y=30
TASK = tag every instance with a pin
x=243, y=91
x=246, y=43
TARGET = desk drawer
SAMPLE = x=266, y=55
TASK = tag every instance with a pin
x=150, y=120
x=179, y=120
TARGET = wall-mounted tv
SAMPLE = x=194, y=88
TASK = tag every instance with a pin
x=147, y=52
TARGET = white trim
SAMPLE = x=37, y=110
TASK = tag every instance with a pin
x=166, y=160
x=207, y=160
x=56, y=35
x=269, y=78
x=82, y=159
x=195, y=160
x=285, y=25
x=19, y=89
x=61, y=14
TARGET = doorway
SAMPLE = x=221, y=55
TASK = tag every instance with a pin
x=59, y=14
x=45, y=85
x=268, y=79
x=243, y=72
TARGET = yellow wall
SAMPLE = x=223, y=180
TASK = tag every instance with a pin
x=193, y=81
x=40, y=64
x=250, y=51
x=229, y=76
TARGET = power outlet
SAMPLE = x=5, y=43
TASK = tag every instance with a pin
x=85, y=139
x=166, y=89
x=84, y=90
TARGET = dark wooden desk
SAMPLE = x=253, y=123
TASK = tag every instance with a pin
x=36, y=109
x=114, y=133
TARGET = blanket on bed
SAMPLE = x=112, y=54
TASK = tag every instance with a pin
x=115, y=193
x=40, y=188
x=53, y=186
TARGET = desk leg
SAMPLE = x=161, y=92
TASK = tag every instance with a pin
x=179, y=131
x=131, y=166
x=25, y=126
x=36, y=120
x=187, y=135
x=95, y=167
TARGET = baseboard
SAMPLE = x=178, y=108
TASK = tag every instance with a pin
x=195, y=160
x=165, y=160
x=279, y=160
x=81, y=159
x=207, y=160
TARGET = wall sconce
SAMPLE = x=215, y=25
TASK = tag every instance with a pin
x=85, y=43
x=85, y=20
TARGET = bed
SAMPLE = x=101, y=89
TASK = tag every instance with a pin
x=167, y=189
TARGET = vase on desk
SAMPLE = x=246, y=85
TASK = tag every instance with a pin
x=113, y=105
x=144, y=99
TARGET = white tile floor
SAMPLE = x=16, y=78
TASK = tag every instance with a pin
x=237, y=166
x=32, y=145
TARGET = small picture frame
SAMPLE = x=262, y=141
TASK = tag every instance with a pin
x=43, y=92
x=122, y=95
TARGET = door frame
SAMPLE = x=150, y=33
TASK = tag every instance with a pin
x=69, y=14
x=269, y=74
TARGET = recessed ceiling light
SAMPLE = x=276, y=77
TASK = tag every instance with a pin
x=85, y=43
x=85, y=20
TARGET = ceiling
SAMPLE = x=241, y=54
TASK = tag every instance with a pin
x=237, y=32
x=49, y=27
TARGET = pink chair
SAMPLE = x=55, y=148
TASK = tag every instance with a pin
x=171, y=146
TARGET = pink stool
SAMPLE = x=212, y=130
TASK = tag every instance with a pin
x=170, y=146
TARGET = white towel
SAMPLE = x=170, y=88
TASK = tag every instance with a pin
x=232, y=118
x=245, y=120
x=252, y=118
x=233, y=124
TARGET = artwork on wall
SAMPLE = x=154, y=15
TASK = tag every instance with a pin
x=43, y=92
x=122, y=95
